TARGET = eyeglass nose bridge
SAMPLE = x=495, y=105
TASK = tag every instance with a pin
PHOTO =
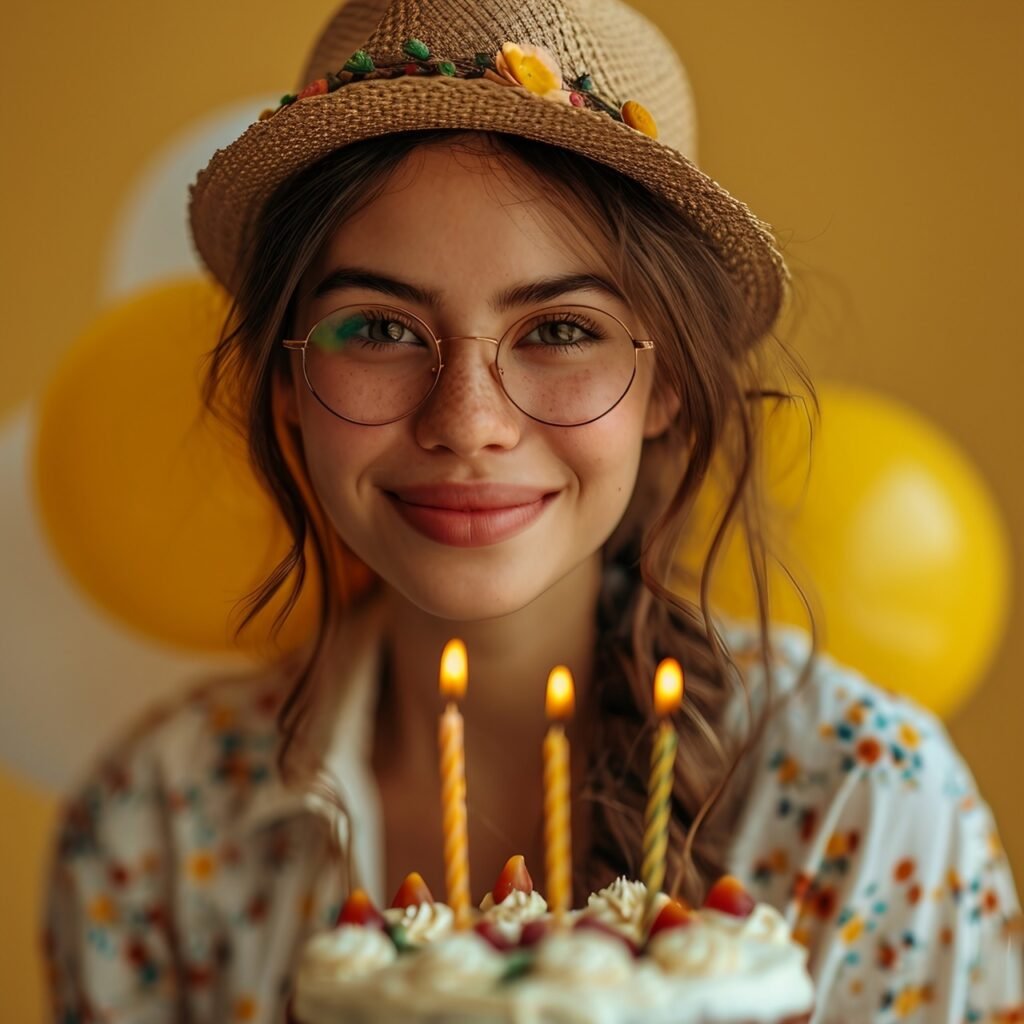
x=639, y=345
x=496, y=342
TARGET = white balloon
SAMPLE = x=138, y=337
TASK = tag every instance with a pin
x=149, y=239
x=73, y=676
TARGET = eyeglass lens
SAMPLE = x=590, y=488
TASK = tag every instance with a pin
x=565, y=366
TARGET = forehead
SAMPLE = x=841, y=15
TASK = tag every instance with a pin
x=457, y=219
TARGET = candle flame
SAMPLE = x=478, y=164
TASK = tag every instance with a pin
x=668, y=687
x=453, y=670
x=561, y=695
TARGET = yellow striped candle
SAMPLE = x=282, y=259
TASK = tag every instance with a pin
x=668, y=695
x=559, y=704
x=453, y=781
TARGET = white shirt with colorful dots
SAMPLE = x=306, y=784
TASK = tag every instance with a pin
x=186, y=876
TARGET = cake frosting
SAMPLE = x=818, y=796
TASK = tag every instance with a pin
x=515, y=910
x=612, y=962
x=623, y=907
x=422, y=923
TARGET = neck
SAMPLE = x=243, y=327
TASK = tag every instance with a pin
x=509, y=661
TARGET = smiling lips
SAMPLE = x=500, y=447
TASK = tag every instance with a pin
x=469, y=515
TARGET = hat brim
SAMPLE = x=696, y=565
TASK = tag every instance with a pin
x=232, y=189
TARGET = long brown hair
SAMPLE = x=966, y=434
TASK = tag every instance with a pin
x=705, y=357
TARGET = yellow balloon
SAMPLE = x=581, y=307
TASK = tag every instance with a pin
x=154, y=510
x=893, y=535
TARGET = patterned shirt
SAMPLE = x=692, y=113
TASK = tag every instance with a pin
x=186, y=876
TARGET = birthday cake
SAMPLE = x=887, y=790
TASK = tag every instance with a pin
x=625, y=958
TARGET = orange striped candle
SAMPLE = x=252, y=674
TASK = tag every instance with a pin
x=559, y=704
x=453, y=781
x=668, y=695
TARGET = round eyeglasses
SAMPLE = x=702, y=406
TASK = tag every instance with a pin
x=563, y=365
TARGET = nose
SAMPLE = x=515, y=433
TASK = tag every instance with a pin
x=468, y=411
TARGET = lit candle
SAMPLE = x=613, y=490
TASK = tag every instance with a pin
x=453, y=781
x=559, y=705
x=668, y=695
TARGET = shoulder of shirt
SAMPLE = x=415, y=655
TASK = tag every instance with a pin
x=242, y=703
x=208, y=755
x=213, y=726
x=844, y=758
x=829, y=717
x=217, y=744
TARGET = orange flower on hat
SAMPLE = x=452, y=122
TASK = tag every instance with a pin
x=532, y=67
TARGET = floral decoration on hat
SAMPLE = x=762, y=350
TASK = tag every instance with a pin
x=530, y=67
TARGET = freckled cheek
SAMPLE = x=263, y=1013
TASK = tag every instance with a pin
x=603, y=456
x=339, y=455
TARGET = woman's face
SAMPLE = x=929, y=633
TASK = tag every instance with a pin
x=453, y=227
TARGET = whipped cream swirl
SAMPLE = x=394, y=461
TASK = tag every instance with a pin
x=623, y=906
x=720, y=943
x=513, y=911
x=583, y=956
x=461, y=960
x=694, y=951
x=765, y=924
x=346, y=952
x=423, y=923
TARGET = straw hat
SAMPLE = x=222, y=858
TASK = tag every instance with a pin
x=592, y=76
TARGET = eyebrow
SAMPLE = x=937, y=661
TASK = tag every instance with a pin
x=527, y=293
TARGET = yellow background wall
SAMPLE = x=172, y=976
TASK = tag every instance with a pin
x=883, y=141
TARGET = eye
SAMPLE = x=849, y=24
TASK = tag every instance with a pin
x=381, y=329
x=561, y=330
x=368, y=329
x=389, y=330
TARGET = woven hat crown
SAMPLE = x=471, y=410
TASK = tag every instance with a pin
x=617, y=94
x=626, y=56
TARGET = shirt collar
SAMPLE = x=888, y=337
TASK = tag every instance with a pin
x=354, y=652
x=353, y=655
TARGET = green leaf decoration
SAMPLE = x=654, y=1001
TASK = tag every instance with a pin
x=416, y=48
x=483, y=60
x=360, y=62
x=585, y=83
x=517, y=963
x=446, y=67
x=400, y=937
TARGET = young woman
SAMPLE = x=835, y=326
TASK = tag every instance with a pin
x=490, y=335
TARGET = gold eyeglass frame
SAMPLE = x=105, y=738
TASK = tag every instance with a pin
x=300, y=345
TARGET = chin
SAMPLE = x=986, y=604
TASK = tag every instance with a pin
x=471, y=597
x=468, y=604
